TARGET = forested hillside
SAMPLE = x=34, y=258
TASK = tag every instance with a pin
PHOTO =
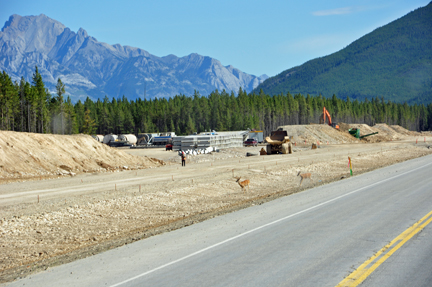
x=394, y=62
x=28, y=107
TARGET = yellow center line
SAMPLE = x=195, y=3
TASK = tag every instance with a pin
x=359, y=275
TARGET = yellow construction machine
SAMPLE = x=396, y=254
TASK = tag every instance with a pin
x=278, y=142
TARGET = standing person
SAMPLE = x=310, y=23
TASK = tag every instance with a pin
x=183, y=156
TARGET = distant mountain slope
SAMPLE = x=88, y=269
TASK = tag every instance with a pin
x=394, y=61
x=95, y=69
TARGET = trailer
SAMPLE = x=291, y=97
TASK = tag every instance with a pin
x=162, y=141
x=258, y=135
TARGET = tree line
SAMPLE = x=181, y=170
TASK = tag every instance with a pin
x=29, y=107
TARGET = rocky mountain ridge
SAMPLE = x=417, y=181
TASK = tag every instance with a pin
x=95, y=69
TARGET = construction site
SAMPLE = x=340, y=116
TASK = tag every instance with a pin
x=65, y=197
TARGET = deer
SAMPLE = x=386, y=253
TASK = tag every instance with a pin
x=243, y=183
x=303, y=176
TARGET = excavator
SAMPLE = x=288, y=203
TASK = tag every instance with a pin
x=327, y=114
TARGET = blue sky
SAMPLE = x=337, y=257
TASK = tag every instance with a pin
x=257, y=37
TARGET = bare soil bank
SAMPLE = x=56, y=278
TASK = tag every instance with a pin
x=27, y=156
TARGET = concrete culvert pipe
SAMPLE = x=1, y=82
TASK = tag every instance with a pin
x=109, y=138
x=99, y=138
x=130, y=138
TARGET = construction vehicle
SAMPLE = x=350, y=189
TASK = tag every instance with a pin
x=169, y=146
x=258, y=135
x=325, y=115
x=155, y=139
x=278, y=142
x=251, y=142
x=356, y=133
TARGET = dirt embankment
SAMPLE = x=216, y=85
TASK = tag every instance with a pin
x=324, y=134
x=29, y=156
x=34, y=236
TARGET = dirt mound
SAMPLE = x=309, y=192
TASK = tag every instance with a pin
x=386, y=132
x=404, y=131
x=324, y=133
x=29, y=155
x=320, y=133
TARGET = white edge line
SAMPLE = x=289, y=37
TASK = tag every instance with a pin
x=260, y=227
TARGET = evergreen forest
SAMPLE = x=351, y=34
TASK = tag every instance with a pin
x=29, y=107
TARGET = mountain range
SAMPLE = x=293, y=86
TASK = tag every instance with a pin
x=95, y=69
x=393, y=62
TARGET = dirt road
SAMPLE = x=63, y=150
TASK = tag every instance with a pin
x=223, y=165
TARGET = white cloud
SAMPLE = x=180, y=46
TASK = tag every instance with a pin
x=349, y=10
x=298, y=51
x=337, y=11
x=327, y=43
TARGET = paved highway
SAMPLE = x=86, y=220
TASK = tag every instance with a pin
x=314, y=238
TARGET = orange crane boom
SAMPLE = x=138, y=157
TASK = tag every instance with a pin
x=327, y=114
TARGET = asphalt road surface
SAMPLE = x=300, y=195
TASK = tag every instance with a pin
x=314, y=238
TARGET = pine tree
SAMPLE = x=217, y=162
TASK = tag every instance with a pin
x=79, y=112
x=60, y=88
x=88, y=124
x=71, y=125
x=190, y=126
x=8, y=102
x=22, y=98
